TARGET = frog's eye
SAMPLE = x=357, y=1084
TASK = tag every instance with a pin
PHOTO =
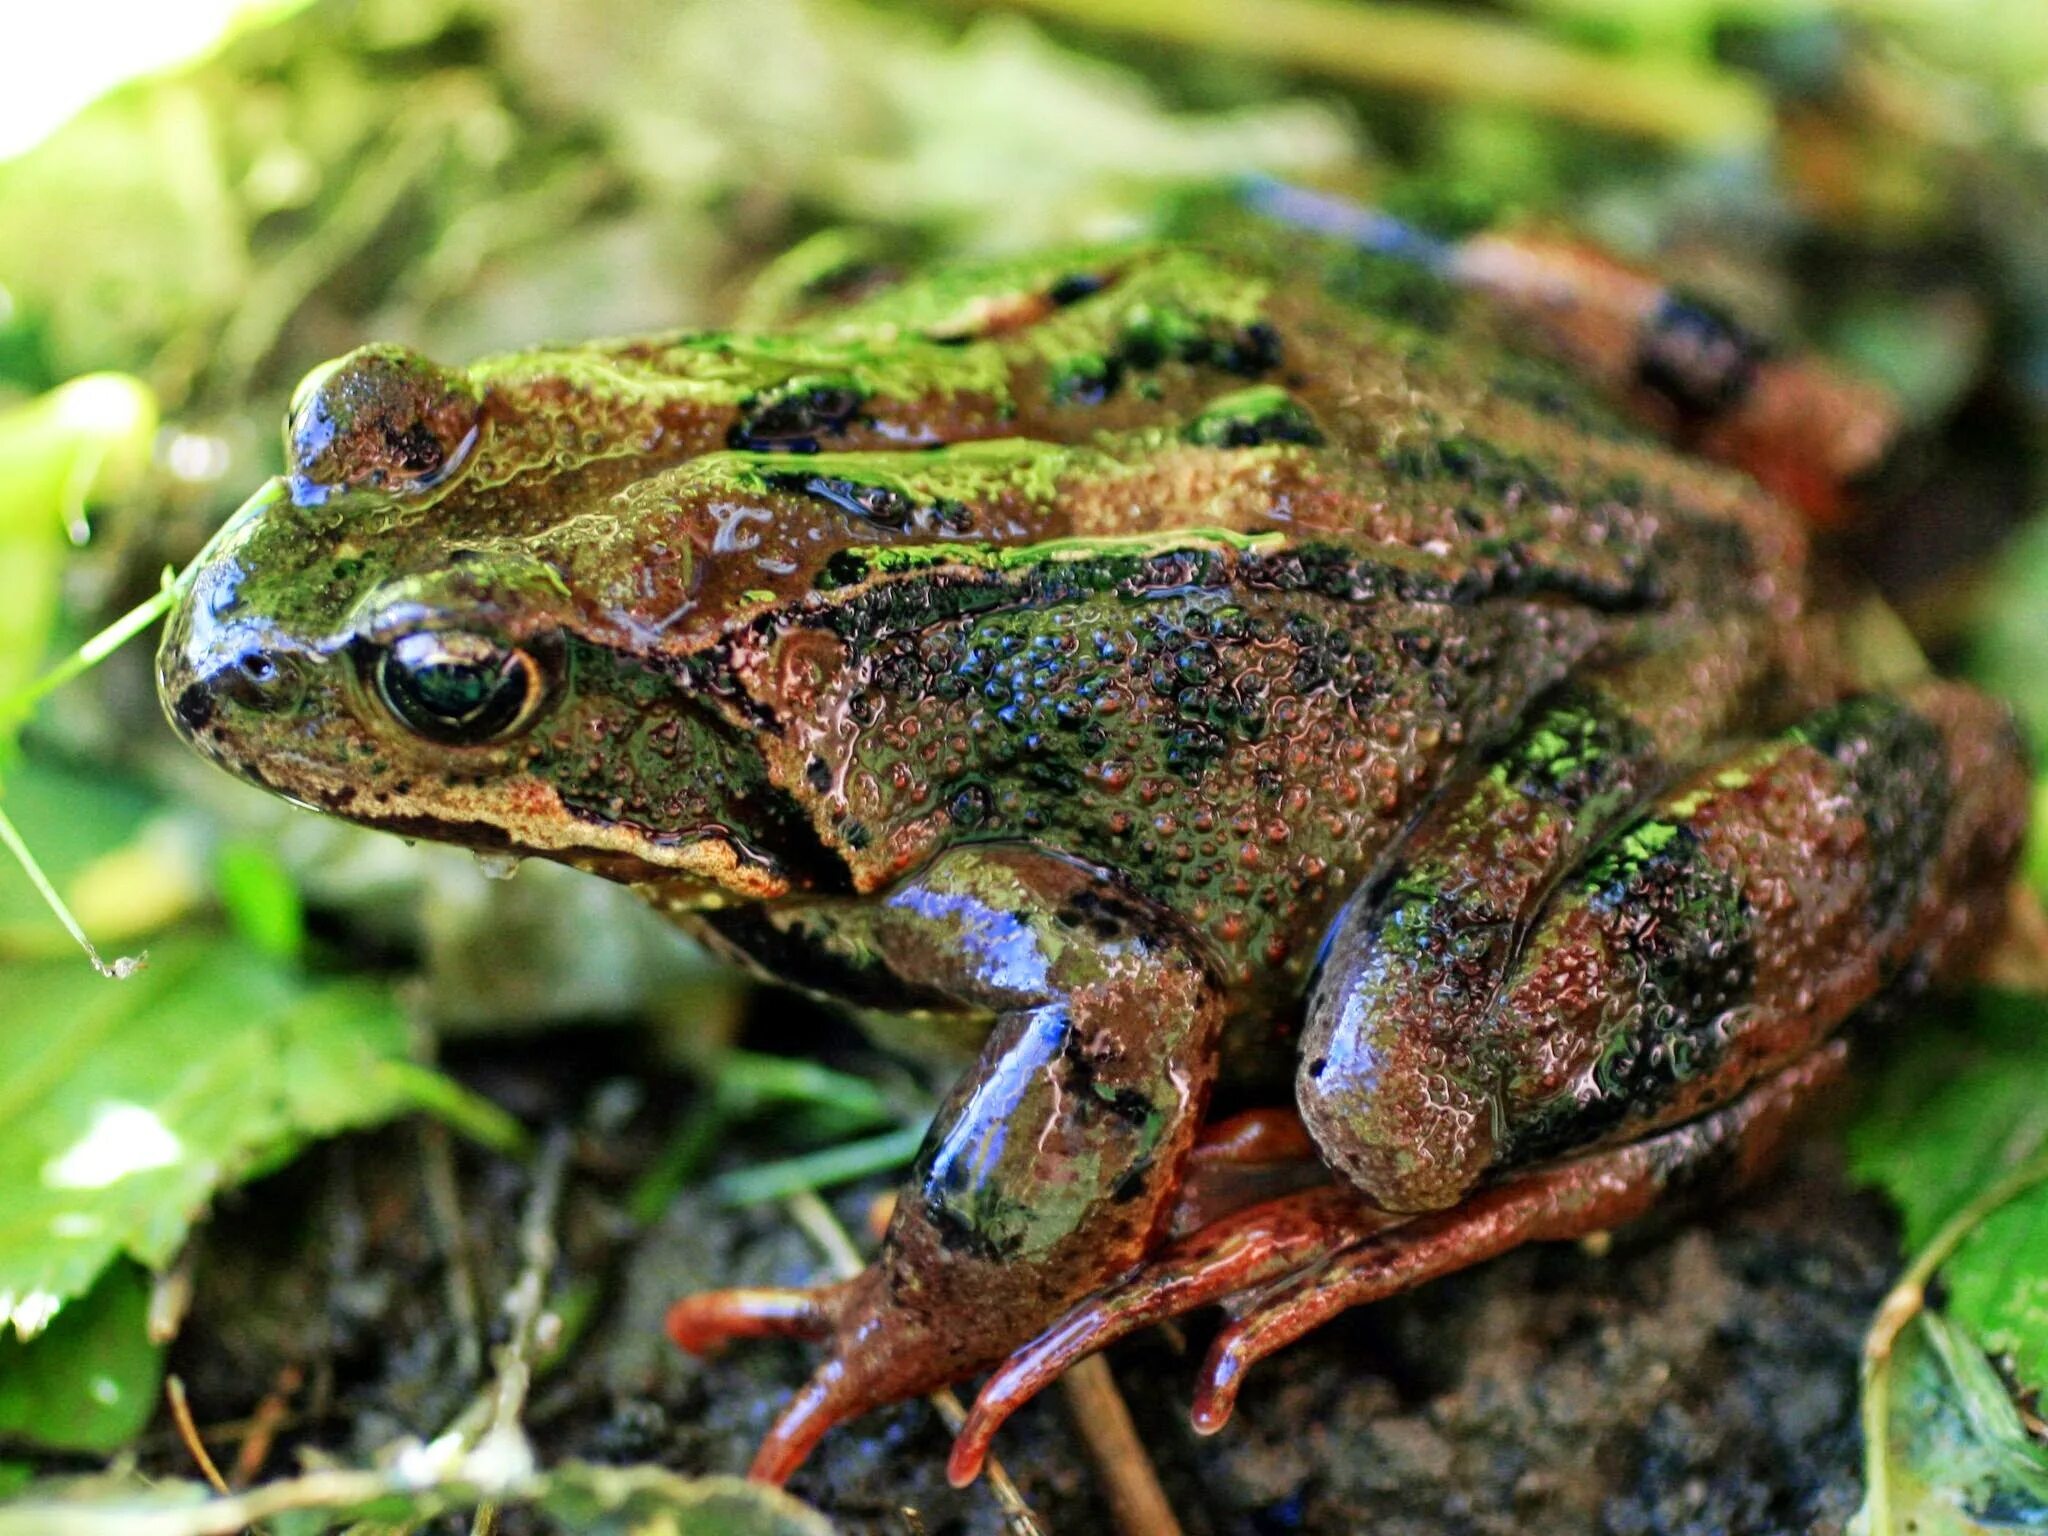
x=459, y=689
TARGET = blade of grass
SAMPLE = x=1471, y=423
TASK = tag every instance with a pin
x=16, y=709
x=1453, y=56
x=123, y=966
x=819, y=1170
x=466, y=1113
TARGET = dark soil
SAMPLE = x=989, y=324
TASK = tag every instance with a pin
x=1698, y=1376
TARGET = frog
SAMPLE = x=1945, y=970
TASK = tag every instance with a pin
x=1358, y=748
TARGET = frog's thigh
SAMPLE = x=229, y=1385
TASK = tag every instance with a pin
x=1049, y=1169
x=1392, y=1083
x=1732, y=925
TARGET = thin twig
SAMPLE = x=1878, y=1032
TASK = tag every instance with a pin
x=215, y=1517
x=444, y=1203
x=181, y=1415
x=1128, y=1477
x=269, y=1417
x=525, y=1310
x=525, y=1303
x=335, y=1490
x=815, y=1217
x=170, y=1296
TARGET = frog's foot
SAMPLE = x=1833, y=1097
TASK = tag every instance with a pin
x=882, y=1349
x=1571, y=1200
x=1245, y=1160
x=878, y=1352
x=1282, y=1268
x=1236, y=1254
x=710, y=1320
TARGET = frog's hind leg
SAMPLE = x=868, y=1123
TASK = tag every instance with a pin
x=1712, y=944
x=1286, y=1266
x=1394, y=1083
x=1571, y=1200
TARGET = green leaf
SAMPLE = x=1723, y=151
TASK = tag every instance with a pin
x=54, y=452
x=261, y=899
x=646, y=1501
x=89, y=1381
x=1955, y=1134
x=1958, y=1108
x=124, y=1107
x=1958, y=1458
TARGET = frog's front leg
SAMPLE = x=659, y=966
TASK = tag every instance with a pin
x=1052, y=1166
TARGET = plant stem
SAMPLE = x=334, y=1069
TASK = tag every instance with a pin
x=1455, y=56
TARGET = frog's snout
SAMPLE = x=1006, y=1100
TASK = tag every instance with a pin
x=255, y=677
x=222, y=678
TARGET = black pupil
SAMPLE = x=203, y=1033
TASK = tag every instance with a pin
x=454, y=689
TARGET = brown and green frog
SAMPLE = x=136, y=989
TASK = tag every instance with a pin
x=1363, y=756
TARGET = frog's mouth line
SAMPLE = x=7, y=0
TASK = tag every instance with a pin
x=693, y=871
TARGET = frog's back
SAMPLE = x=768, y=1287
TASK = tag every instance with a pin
x=1247, y=572
x=1127, y=392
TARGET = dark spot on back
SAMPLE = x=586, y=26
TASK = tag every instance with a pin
x=1697, y=358
x=796, y=417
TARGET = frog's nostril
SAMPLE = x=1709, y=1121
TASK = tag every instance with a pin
x=260, y=679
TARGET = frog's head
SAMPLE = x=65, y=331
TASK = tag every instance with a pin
x=418, y=628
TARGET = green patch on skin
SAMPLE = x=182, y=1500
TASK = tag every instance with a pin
x=852, y=566
x=972, y=473
x=713, y=370
x=1636, y=847
x=1100, y=300
x=1250, y=418
x=946, y=305
x=1487, y=468
x=1580, y=748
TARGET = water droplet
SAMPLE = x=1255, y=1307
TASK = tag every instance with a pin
x=497, y=866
